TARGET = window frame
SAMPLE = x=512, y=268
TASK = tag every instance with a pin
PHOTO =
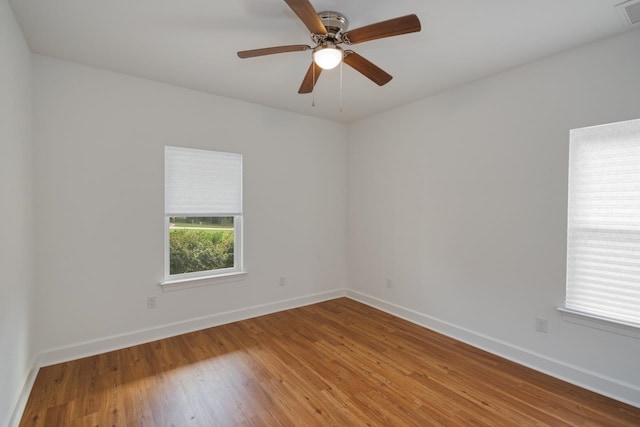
x=205, y=277
x=580, y=316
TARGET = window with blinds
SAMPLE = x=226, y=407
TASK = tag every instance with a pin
x=603, y=247
x=203, y=213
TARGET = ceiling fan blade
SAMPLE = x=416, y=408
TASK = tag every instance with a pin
x=307, y=15
x=271, y=50
x=310, y=79
x=392, y=27
x=366, y=68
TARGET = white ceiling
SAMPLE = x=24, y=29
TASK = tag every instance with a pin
x=193, y=43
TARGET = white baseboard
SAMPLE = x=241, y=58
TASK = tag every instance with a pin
x=610, y=387
x=116, y=342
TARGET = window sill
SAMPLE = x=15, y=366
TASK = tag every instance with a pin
x=602, y=323
x=196, y=282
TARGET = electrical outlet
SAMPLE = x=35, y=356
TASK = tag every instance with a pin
x=542, y=325
x=151, y=302
x=282, y=282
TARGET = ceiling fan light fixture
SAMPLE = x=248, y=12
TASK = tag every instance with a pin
x=327, y=56
x=328, y=30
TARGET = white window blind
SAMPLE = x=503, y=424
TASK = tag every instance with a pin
x=202, y=182
x=603, y=248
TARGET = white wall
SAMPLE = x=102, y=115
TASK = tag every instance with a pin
x=99, y=155
x=460, y=199
x=16, y=207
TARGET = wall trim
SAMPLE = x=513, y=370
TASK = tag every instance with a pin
x=116, y=342
x=601, y=384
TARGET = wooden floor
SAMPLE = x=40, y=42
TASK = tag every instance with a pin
x=337, y=363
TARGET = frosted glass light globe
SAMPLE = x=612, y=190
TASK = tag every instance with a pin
x=328, y=57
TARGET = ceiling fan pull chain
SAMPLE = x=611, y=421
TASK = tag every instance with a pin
x=341, y=62
x=313, y=87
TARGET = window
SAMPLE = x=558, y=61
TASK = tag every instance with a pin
x=603, y=247
x=203, y=214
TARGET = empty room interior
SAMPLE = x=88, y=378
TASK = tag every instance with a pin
x=402, y=232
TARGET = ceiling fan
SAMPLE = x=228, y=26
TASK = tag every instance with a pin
x=328, y=32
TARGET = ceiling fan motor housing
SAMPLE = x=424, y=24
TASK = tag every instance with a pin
x=334, y=22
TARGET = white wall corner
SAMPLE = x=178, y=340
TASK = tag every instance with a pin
x=20, y=402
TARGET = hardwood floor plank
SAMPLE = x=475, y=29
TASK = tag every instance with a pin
x=337, y=363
